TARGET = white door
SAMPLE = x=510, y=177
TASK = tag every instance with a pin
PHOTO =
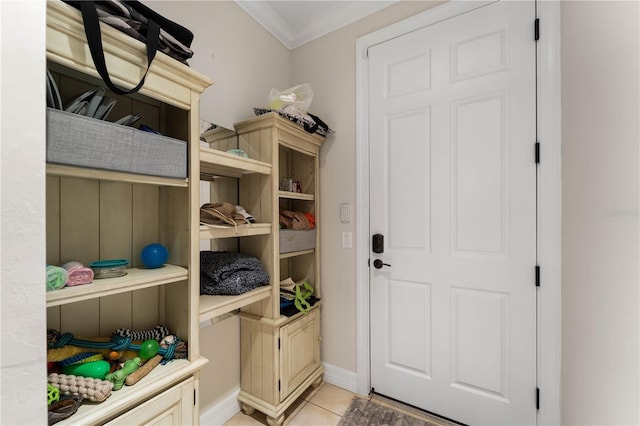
x=453, y=190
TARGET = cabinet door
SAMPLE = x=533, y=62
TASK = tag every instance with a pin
x=300, y=351
x=172, y=407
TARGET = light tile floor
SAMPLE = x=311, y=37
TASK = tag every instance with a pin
x=324, y=406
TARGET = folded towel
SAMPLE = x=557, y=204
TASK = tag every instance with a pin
x=78, y=273
x=57, y=277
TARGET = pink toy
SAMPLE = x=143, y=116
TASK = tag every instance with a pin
x=78, y=273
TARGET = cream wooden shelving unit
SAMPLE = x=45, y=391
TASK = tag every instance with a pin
x=95, y=214
x=280, y=355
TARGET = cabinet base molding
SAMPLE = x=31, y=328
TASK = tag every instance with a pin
x=278, y=411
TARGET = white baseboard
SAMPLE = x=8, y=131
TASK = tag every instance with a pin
x=340, y=377
x=220, y=412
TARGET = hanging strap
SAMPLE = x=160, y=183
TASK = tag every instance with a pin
x=94, y=39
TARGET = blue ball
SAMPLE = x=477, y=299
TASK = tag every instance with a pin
x=154, y=255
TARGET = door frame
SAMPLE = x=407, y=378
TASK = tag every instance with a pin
x=549, y=319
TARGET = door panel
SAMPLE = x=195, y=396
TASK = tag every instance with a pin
x=453, y=178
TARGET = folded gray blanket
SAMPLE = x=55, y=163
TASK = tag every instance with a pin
x=225, y=273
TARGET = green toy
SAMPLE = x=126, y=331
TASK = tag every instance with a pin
x=149, y=349
x=95, y=369
x=301, y=298
x=53, y=394
x=118, y=377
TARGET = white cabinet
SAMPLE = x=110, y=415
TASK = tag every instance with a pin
x=95, y=214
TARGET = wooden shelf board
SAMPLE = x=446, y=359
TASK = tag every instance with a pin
x=295, y=253
x=214, y=306
x=277, y=322
x=208, y=232
x=128, y=397
x=296, y=195
x=135, y=279
x=218, y=163
x=87, y=173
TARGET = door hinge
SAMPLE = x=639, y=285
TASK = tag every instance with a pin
x=537, y=152
x=537, y=398
x=279, y=384
x=278, y=343
x=536, y=29
x=194, y=397
x=537, y=275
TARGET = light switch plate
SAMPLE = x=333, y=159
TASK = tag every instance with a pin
x=347, y=240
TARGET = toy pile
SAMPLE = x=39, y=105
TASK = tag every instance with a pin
x=92, y=368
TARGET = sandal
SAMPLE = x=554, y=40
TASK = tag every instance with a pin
x=221, y=214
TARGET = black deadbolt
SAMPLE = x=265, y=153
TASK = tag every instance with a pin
x=377, y=243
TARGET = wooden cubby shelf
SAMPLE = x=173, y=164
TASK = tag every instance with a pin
x=212, y=231
x=215, y=306
x=107, y=175
x=296, y=196
x=215, y=163
x=296, y=253
x=135, y=279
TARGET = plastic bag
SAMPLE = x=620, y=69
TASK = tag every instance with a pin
x=299, y=96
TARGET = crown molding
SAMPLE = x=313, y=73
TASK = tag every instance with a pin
x=313, y=27
x=270, y=20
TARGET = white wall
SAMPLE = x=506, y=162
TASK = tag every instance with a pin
x=245, y=62
x=329, y=65
x=22, y=224
x=240, y=56
x=600, y=136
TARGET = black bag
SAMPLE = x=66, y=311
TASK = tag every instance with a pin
x=139, y=21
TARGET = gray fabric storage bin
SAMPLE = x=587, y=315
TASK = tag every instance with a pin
x=297, y=240
x=77, y=140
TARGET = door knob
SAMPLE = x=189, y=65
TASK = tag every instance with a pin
x=378, y=264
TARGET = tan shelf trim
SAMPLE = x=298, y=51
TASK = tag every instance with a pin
x=135, y=279
x=215, y=163
x=87, y=173
x=296, y=195
x=214, y=306
x=277, y=322
x=273, y=119
x=295, y=253
x=158, y=380
x=208, y=232
x=168, y=80
x=217, y=134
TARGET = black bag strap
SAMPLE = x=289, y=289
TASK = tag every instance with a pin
x=94, y=39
